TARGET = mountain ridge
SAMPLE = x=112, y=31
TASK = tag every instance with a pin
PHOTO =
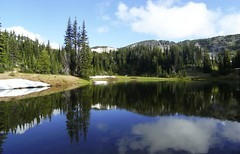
x=213, y=44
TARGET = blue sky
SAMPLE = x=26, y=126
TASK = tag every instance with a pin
x=119, y=23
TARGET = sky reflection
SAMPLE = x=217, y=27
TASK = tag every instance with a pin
x=191, y=134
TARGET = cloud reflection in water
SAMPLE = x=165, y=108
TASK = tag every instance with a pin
x=191, y=134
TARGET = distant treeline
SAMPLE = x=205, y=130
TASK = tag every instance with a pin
x=76, y=58
x=173, y=61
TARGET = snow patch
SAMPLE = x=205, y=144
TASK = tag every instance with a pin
x=100, y=82
x=20, y=92
x=103, y=107
x=19, y=87
x=101, y=77
x=101, y=50
x=20, y=83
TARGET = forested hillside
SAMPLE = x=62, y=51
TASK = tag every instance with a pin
x=147, y=58
x=172, y=61
x=30, y=56
x=214, y=44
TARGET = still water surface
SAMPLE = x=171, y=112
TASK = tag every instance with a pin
x=155, y=117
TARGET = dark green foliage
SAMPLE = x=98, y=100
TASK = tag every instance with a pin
x=152, y=61
x=85, y=56
x=226, y=60
x=21, y=52
x=85, y=64
x=2, y=70
x=73, y=60
x=68, y=47
x=207, y=67
x=236, y=60
x=77, y=59
x=3, y=55
x=78, y=56
x=220, y=62
x=184, y=73
x=44, y=62
x=148, y=61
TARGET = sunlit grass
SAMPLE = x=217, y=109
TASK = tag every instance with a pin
x=141, y=79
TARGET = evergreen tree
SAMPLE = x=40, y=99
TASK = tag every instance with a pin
x=44, y=62
x=13, y=51
x=68, y=48
x=3, y=55
x=75, y=45
x=207, y=67
x=236, y=60
x=227, y=60
x=220, y=62
x=159, y=71
x=85, y=57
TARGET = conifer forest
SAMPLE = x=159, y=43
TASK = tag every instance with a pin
x=76, y=58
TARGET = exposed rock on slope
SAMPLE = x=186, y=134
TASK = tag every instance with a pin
x=214, y=44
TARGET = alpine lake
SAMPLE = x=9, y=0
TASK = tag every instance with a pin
x=127, y=117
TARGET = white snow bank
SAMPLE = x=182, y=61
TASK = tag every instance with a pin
x=20, y=92
x=101, y=77
x=100, y=82
x=20, y=83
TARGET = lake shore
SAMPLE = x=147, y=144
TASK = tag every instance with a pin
x=58, y=83
x=139, y=79
x=61, y=83
x=53, y=80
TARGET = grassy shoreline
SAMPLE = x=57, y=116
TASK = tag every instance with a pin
x=139, y=79
x=61, y=83
x=53, y=80
x=58, y=83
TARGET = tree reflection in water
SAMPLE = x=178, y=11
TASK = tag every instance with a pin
x=203, y=99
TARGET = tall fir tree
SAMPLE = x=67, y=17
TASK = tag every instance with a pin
x=75, y=45
x=207, y=67
x=236, y=60
x=13, y=51
x=220, y=62
x=78, y=55
x=68, y=48
x=3, y=55
x=85, y=56
x=44, y=62
x=227, y=60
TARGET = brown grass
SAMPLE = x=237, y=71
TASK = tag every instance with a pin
x=53, y=80
x=58, y=83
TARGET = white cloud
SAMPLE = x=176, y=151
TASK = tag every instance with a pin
x=230, y=24
x=191, y=134
x=23, y=32
x=56, y=112
x=102, y=29
x=54, y=45
x=168, y=20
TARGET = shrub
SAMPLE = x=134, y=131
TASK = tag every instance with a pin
x=25, y=70
x=184, y=73
x=2, y=70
